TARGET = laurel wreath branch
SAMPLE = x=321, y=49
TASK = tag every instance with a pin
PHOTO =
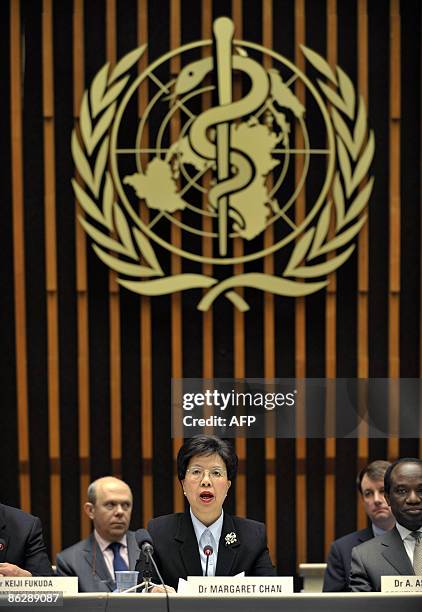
x=123, y=247
x=98, y=109
x=119, y=246
x=355, y=151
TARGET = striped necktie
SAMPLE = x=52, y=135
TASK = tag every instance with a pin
x=417, y=554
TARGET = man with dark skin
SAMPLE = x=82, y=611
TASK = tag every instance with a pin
x=398, y=552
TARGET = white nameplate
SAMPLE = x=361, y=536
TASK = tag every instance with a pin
x=66, y=585
x=401, y=584
x=230, y=585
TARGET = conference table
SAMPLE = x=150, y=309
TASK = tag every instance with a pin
x=297, y=602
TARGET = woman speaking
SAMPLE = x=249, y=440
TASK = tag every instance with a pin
x=205, y=540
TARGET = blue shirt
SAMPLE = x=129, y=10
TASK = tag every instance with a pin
x=208, y=536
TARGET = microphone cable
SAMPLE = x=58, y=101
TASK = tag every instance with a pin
x=148, y=551
x=145, y=543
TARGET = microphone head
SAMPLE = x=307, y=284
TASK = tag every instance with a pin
x=144, y=541
x=208, y=550
x=3, y=544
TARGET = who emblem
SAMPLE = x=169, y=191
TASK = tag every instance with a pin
x=211, y=154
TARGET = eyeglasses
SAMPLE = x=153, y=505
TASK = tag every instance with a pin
x=198, y=473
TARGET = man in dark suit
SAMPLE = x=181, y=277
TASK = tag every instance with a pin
x=111, y=547
x=370, y=483
x=206, y=466
x=398, y=552
x=22, y=549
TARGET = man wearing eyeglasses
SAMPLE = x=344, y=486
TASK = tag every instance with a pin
x=111, y=547
x=205, y=540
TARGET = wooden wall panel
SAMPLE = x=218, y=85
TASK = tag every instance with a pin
x=145, y=340
x=81, y=282
x=300, y=309
x=330, y=329
x=269, y=334
x=239, y=320
x=11, y=479
x=363, y=282
x=233, y=342
x=19, y=253
x=394, y=213
x=51, y=277
x=114, y=297
x=176, y=263
x=207, y=317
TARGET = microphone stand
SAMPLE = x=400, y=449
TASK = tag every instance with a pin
x=147, y=549
x=147, y=574
x=148, y=553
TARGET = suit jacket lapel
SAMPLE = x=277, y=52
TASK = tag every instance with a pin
x=4, y=536
x=227, y=553
x=132, y=549
x=365, y=534
x=189, y=551
x=393, y=550
x=95, y=559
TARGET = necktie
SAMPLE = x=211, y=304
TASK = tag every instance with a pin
x=417, y=554
x=119, y=564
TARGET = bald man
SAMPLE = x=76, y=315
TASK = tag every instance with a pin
x=111, y=546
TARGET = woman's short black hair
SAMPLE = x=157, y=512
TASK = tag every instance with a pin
x=203, y=446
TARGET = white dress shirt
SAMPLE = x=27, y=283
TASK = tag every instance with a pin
x=408, y=540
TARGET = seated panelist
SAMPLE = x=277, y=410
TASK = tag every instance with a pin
x=399, y=551
x=111, y=546
x=370, y=483
x=184, y=541
x=22, y=549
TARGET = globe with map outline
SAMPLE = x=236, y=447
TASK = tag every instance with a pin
x=164, y=181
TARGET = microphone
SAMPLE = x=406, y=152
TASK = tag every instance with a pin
x=145, y=545
x=3, y=544
x=144, y=542
x=208, y=550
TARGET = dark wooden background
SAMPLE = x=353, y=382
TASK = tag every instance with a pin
x=86, y=367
